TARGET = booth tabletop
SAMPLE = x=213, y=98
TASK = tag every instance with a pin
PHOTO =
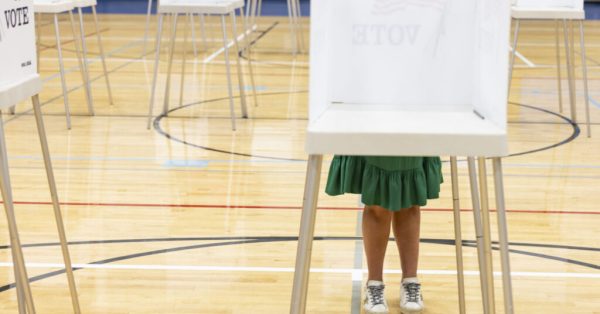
x=547, y=13
x=53, y=6
x=199, y=6
x=355, y=130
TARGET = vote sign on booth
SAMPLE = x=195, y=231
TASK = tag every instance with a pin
x=409, y=77
x=18, y=68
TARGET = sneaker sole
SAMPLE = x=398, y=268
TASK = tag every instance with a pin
x=369, y=312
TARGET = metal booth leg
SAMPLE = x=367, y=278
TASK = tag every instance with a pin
x=57, y=212
x=514, y=53
x=240, y=72
x=62, y=72
x=307, y=231
x=293, y=33
x=570, y=72
x=194, y=41
x=203, y=32
x=299, y=29
x=487, y=236
x=585, y=79
x=170, y=64
x=183, y=60
x=228, y=72
x=102, y=55
x=21, y=278
x=85, y=63
x=558, y=66
x=156, y=64
x=503, y=236
x=481, y=257
x=82, y=69
x=458, y=236
x=147, y=30
x=248, y=42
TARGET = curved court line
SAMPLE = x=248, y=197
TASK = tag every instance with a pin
x=252, y=240
x=159, y=130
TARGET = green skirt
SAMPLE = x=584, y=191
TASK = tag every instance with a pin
x=390, y=182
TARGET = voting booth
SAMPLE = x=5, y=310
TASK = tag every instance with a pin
x=411, y=78
x=19, y=81
x=564, y=13
x=223, y=9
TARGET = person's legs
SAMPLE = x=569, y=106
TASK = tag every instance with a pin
x=406, y=225
x=376, y=233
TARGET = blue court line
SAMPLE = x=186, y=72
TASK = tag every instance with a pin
x=594, y=102
x=258, y=161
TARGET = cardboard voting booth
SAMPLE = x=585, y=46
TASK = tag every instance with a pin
x=408, y=78
x=411, y=78
x=564, y=13
x=19, y=81
x=223, y=9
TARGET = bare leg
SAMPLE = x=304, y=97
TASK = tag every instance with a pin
x=376, y=234
x=406, y=225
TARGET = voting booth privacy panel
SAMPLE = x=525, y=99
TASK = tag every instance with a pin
x=408, y=77
x=17, y=52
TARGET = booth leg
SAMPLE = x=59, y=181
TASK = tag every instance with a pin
x=293, y=34
x=487, y=236
x=147, y=29
x=183, y=61
x=558, y=66
x=478, y=233
x=57, y=212
x=21, y=278
x=193, y=28
x=156, y=64
x=85, y=63
x=203, y=31
x=82, y=70
x=503, y=236
x=102, y=55
x=585, y=79
x=248, y=42
x=458, y=236
x=570, y=72
x=228, y=72
x=170, y=64
x=307, y=230
x=61, y=66
x=299, y=29
x=240, y=72
x=513, y=53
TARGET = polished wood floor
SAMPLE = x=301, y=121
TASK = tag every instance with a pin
x=190, y=217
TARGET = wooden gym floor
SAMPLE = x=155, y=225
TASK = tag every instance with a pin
x=190, y=217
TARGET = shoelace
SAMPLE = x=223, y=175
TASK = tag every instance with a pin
x=376, y=294
x=413, y=290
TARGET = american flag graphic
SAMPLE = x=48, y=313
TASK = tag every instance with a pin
x=385, y=7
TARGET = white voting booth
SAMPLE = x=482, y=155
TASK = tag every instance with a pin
x=19, y=80
x=223, y=9
x=564, y=13
x=411, y=78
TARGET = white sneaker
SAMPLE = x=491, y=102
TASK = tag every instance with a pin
x=411, y=299
x=374, y=298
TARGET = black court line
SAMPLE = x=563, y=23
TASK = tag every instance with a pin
x=254, y=240
x=157, y=127
x=162, y=132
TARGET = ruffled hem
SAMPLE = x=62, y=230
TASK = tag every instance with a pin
x=393, y=190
